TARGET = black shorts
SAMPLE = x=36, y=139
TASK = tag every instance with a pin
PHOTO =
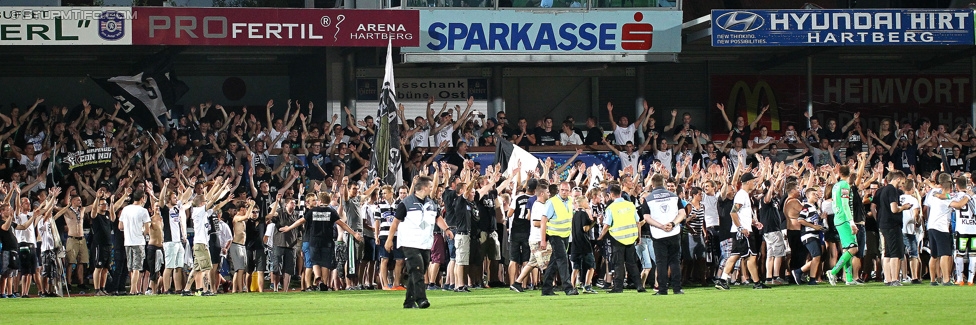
x=285, y=260
x=153, y=261
x=583, y=261
x=257, y=260
x=813, y=247
x=519, y=251
x=214, y=254
x=741, y=245
x=940, y=243
x=9, y=262
x=894, y=243
x=28, y=260
x=323, y=256
x=369, y=248
x=103, y=256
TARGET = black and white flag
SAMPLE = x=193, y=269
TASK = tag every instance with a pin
x=509, y=156
x=386, y=161
x=151, y=92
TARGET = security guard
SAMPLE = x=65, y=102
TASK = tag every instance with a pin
x=556, y=227
x=621, y=220
x=664, y=213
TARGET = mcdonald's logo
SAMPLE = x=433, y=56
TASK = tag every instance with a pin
x=753, y=97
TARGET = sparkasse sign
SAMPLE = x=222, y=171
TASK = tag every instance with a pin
x=275, y=27
x=548, y=32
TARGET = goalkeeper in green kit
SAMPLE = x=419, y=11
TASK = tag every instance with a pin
x=843, y=219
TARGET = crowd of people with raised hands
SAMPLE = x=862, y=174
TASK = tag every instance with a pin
x=219, y=201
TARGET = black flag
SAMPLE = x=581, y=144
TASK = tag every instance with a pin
x=385, y=162
x=151, y=91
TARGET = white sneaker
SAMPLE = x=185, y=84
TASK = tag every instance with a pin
x=149, y=292
x=832, y=278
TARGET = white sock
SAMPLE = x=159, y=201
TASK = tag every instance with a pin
x=725, y=276
x=959, y=261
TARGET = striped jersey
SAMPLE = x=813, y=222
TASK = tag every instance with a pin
x=384, y=213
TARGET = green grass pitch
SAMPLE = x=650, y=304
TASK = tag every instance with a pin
x=873, y=303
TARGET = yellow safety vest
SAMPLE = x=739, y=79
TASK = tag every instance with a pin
x=562, y=225
x=624, y=228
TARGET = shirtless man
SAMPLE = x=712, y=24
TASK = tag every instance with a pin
x=792, y=208
x=154, y=253
x=76, y=247
x=237, y=251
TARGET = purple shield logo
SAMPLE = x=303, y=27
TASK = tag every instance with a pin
x=111, y=25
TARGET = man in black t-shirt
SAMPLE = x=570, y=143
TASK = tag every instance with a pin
x=489, y=214
x=890, y=223
x=546, y=135
x=582, y=252
x=594, y=134
x=519, y=227
x=101, y=232
x=320, y=220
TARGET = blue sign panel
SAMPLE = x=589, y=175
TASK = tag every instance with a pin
x=842, y=27
x=549, y=32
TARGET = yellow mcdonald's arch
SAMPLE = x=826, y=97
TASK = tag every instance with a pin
x=753, y=96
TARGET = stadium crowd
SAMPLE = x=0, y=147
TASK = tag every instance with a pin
x=236, y=201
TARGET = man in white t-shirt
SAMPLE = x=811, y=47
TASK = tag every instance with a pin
x=421, y=133
x=938, y=209
x=743, y=221
x=134, y=221
x=911, y=219
x=201, y=245
x=623, y=131
x=568, y=137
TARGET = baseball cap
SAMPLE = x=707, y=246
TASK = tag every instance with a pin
x=747, y=177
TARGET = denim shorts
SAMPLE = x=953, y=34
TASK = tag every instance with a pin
x=911, y=245
x=646, y=252
x=307, y=254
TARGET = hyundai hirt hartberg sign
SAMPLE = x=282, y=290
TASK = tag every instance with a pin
x=842, y=27
x=484, y=35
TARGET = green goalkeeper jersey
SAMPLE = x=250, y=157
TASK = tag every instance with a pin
x=842, y=202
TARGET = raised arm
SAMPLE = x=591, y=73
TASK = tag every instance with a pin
x=721, y=109
x=674, y=116
x=613, y=123
x=847, y=126
x=752, y=125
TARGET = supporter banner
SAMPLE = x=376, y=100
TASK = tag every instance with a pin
x=419, y=89
x=943, y=99
x=547, y=32
x=413, y=94
x=731, y=28
x=66, y=26
x=275, y=27
x=89, y=159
